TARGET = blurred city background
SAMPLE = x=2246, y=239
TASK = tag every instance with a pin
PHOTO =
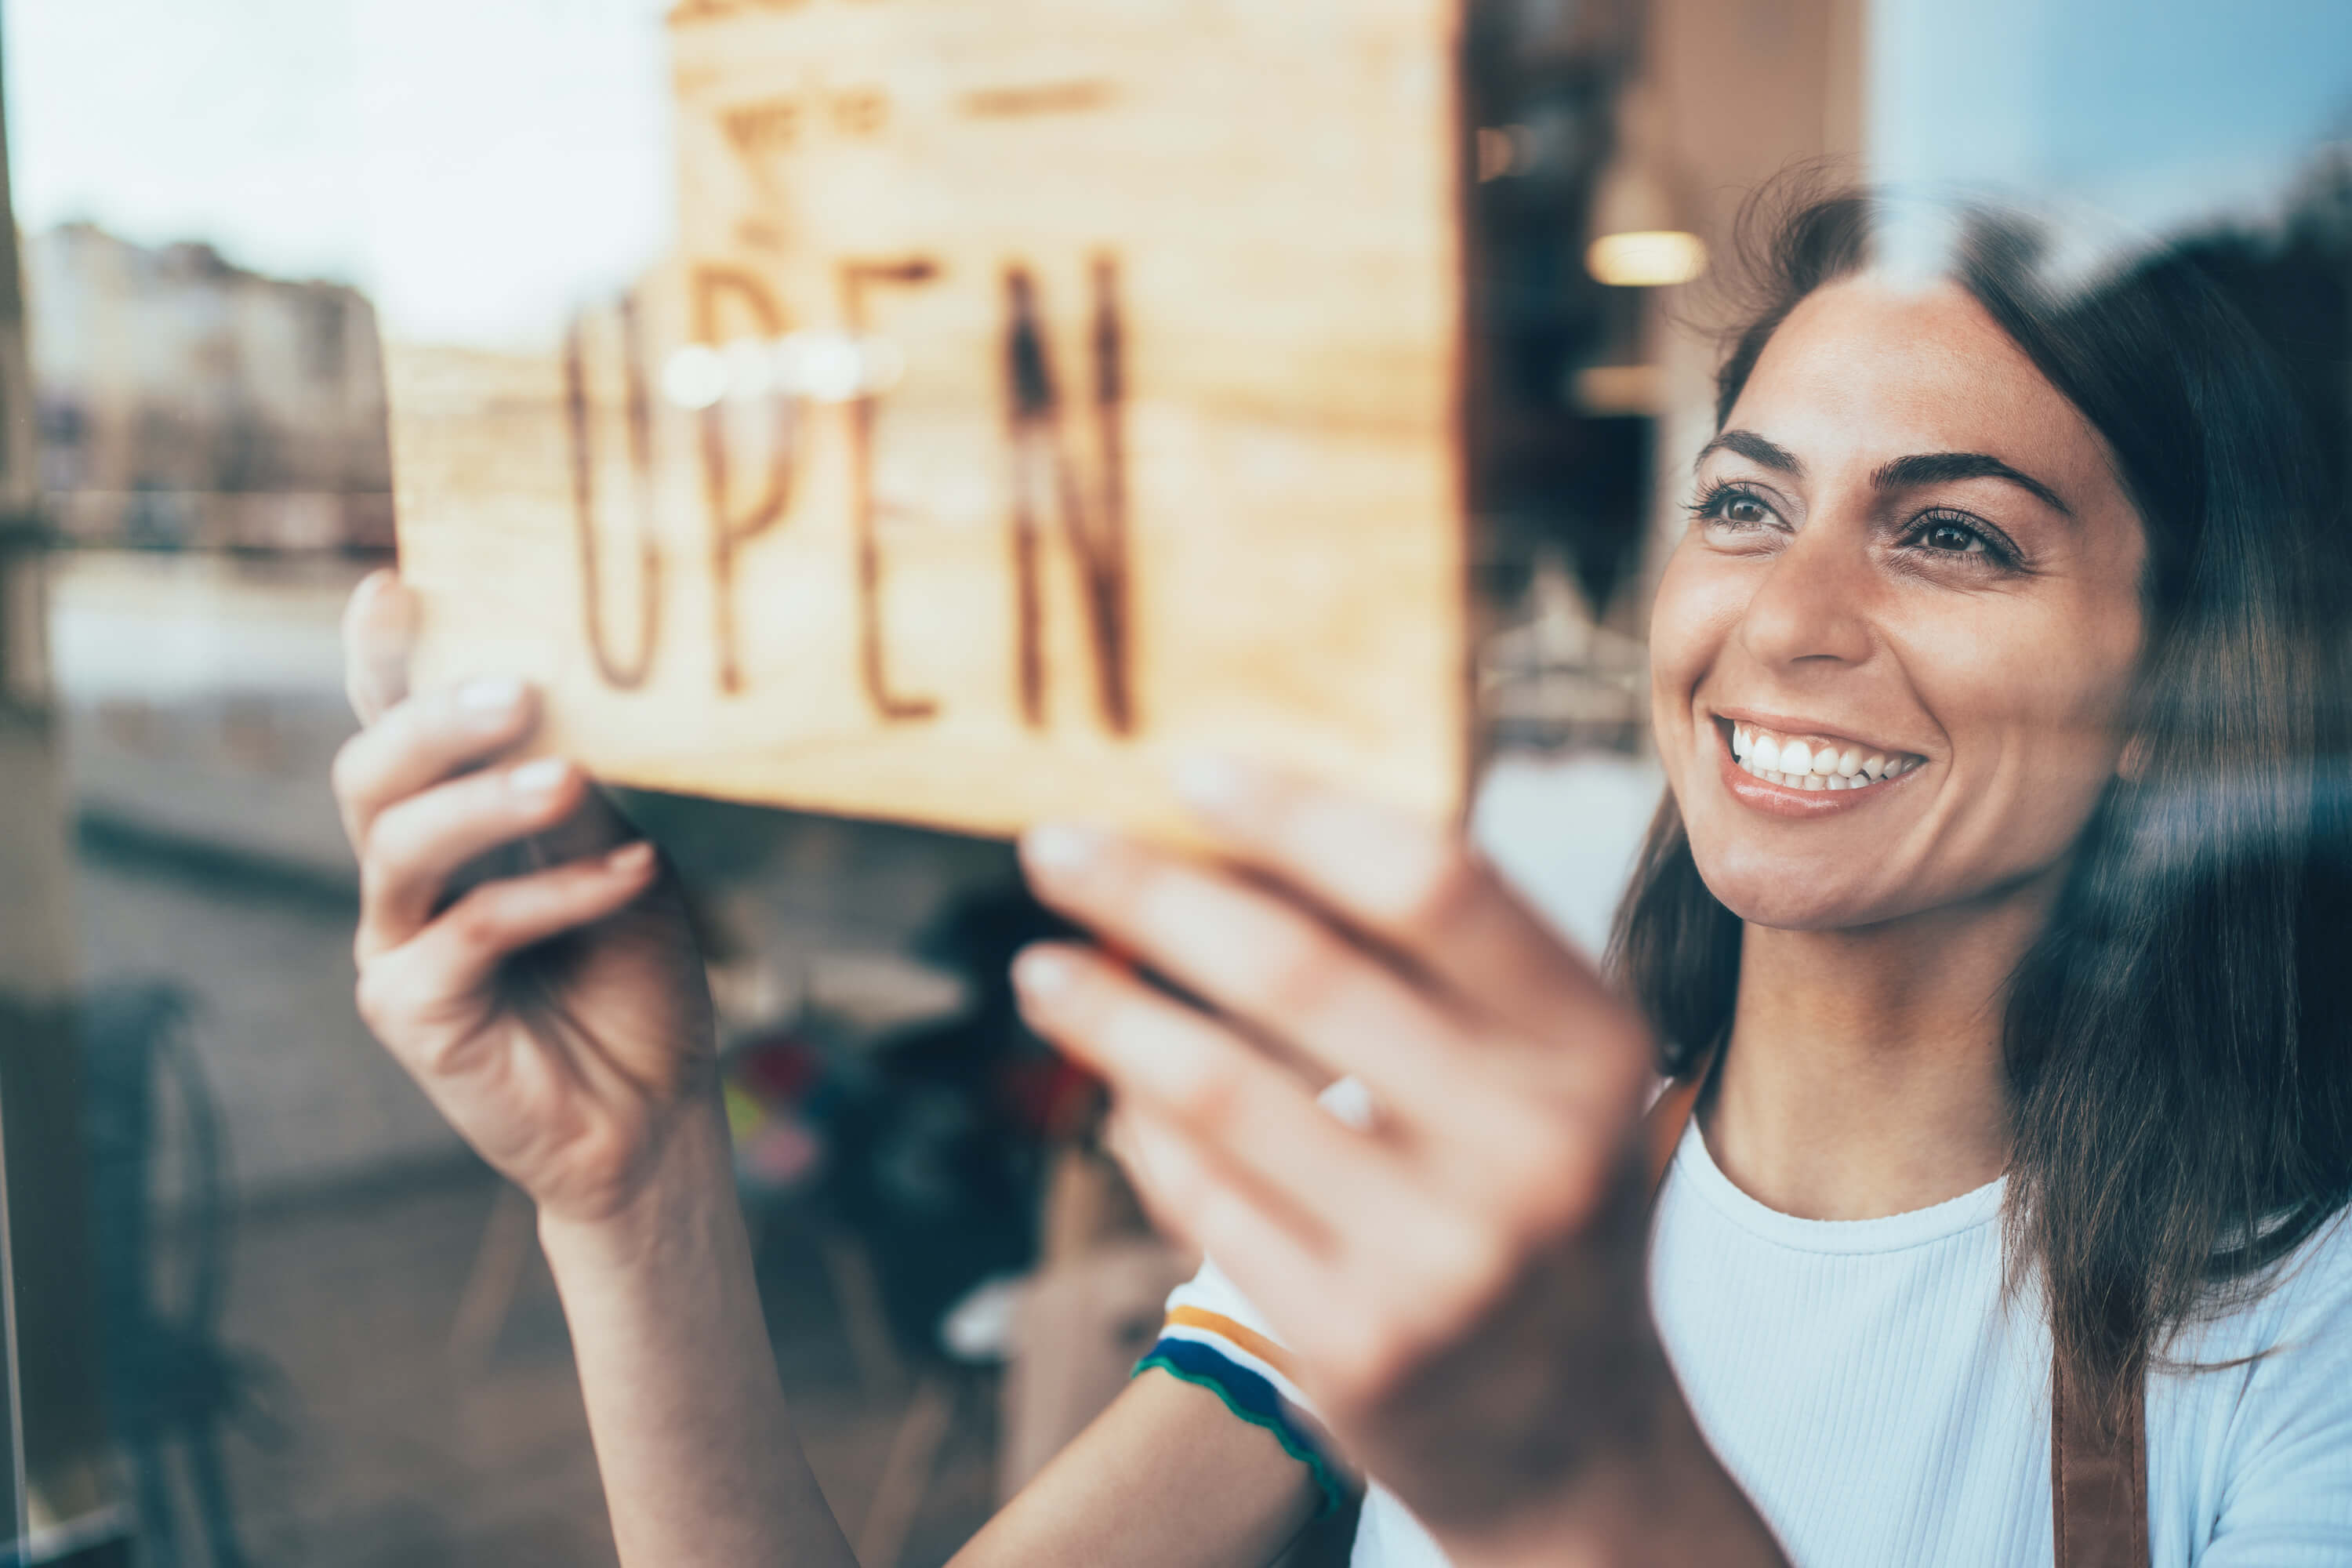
x=298, y=1322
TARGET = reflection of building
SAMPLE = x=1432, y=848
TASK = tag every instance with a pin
x=185, y=402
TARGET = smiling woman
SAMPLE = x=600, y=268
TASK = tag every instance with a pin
x=2063, y=552
x=1989, y=929
x=1979, y=923
x=1985, y=926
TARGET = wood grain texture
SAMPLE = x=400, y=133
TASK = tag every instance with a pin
x=1145, y=441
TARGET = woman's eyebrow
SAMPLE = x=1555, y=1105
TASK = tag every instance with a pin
x=1756, y=449
x=1945, y=468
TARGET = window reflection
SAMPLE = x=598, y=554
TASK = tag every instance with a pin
x=265, y=1307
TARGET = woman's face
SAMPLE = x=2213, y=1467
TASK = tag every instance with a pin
x=1890, y=654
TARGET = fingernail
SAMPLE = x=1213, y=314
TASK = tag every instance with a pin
x=1041, y=974
x=1215, y=786
x=1060, y=846
x=542, y=777
x=491, y=698
x=630, y=859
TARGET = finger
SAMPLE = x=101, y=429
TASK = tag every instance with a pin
x=1263, y=960
x=1408, y=880
x=594, y=828
x=1311, y=1301
x=1362, y=1317
x=418, y=845
x=1291, y=1283
x=455, y=957
x=423, y=741
x=1121, y=1142
x=379, y=630
x=1168, y=1059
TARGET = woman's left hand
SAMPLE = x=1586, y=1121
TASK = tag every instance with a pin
x=1461, y=1283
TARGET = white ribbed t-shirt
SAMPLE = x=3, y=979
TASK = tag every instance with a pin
x=1872, y=1388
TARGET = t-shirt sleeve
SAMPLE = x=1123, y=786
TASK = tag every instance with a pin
x=1213, y=1339
x=2287, y=1498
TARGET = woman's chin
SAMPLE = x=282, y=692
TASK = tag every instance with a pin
x=1793, y=897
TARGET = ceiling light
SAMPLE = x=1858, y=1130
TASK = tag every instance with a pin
x=1641, y=234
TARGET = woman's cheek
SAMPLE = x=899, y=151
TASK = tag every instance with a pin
x=1698, y=603
x=1674, y=674
x=2031, y=707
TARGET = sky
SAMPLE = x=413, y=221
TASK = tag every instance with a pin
x=2156, y=112
x=483, y=166
x=480, y=166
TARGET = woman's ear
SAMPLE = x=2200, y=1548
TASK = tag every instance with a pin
x=2134, y=760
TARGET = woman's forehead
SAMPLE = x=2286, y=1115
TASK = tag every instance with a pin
x=1864, y=370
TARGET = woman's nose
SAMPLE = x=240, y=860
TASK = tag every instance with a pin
x=1814, y=601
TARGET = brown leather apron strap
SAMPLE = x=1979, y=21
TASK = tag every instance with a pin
x=2098, y=1478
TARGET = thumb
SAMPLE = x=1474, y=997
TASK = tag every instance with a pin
x=379, y=631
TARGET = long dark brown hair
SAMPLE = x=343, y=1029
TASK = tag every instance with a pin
x=2175, y=1039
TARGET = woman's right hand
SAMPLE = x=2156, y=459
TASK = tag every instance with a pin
x=555, y=1011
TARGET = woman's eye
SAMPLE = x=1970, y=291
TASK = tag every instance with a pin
x=1971, y=543
x=1736, y=508
x=1950, y=538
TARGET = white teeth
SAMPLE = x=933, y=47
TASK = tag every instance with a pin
x=1800, y=764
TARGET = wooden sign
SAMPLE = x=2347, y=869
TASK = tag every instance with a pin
x=1040, y=391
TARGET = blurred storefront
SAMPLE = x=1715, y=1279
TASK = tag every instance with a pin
x=188, y=404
